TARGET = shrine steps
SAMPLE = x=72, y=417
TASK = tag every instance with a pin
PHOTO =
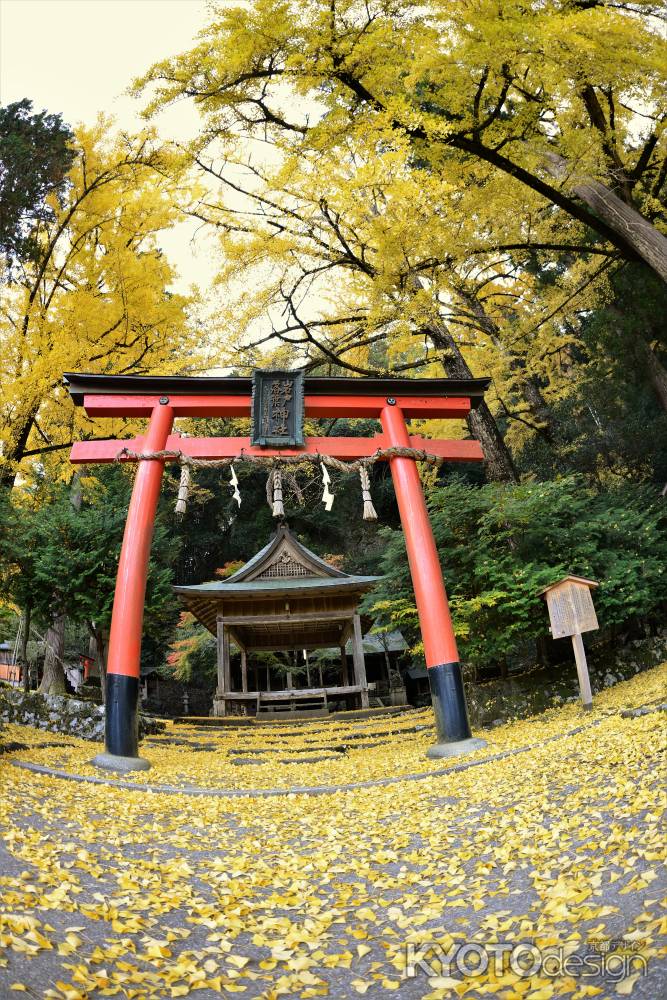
x=287, y=718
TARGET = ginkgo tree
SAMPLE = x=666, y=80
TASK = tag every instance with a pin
x=338, y=253
x=354, y=259
x=96, y=295
x=448, y=249
x=565, y=98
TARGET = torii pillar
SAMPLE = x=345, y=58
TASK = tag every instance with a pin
x=440, y=650
x=124, y=659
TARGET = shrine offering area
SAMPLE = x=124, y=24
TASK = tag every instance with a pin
x=110, y=892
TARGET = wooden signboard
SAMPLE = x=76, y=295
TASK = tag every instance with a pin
x=571, y=612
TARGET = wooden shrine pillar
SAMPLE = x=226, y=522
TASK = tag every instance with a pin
x=244, y=671
x=224, y=672
x=359, y=662
x=343, y=663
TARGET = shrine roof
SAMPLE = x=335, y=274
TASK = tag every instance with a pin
x=283, y=566
x=372, y=643
x=80, y=384
x=283, y=539
x=292, y=585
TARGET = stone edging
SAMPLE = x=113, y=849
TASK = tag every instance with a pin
x=254, y=793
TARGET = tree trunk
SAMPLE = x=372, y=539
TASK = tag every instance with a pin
x=638, y=232
x=99, y=649
x=497, y=459
x=529, y=386
x=539, y=408
x=53, y=680
x=13, y=453
x=481, y=423
x=23, y=655
x=657, y=374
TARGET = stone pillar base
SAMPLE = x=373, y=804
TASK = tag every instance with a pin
x=455, y=749
x=111, y=762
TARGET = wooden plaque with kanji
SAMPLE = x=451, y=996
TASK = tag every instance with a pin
x=571, y=609
x=277, y=409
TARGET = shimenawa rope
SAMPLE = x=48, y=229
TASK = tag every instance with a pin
x=274, y=490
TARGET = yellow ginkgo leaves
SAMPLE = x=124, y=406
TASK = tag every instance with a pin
x=109, y=892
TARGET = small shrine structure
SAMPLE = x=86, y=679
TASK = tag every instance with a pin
x=283, y=599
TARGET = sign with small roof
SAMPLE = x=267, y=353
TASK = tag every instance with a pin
x=570, y=606
x=571, y=612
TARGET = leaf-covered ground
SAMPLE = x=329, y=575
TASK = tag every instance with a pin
x=286, y=755
x=110, y=892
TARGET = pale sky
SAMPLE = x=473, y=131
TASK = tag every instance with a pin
x=77, y=57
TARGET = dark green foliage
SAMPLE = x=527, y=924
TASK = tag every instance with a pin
x=614, y=423
x=35, y=155
x=500, y=544
x=215, y=531
x=64, y=559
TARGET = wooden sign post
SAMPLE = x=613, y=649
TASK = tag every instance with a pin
x=571, y=612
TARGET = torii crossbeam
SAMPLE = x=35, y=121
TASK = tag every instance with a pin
x=390, y=400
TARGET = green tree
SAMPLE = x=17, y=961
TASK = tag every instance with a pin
x=36, y=153
x=499, y=545
x=64, y=560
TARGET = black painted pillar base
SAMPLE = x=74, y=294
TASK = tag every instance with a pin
x=122, y=726
x=452, y=727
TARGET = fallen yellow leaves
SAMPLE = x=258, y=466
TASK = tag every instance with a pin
x=142, y=896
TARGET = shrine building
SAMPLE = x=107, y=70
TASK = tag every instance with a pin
x=284, y=599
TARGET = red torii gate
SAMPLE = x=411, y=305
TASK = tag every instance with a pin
x=163, y=398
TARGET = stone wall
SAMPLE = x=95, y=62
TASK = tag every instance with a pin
x=530, y=693
x=62, y=714
x=166, y=697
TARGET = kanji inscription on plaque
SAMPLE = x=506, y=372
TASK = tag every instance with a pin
x=277, y=409
x=571, y=610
